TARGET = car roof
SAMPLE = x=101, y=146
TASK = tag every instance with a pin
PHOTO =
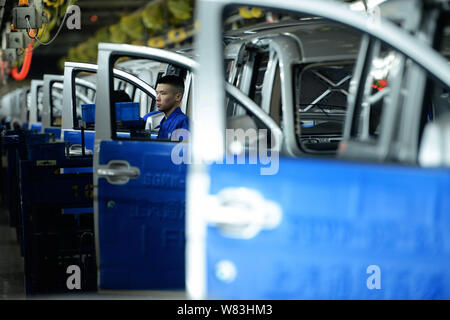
x=318, y=39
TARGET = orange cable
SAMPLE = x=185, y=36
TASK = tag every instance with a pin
x=19, y=76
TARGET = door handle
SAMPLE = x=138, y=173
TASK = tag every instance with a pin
x=77, y=149
x=242, y=212
x=118, y=172
x=130, y=173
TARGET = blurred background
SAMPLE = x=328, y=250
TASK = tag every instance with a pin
x=155, y=23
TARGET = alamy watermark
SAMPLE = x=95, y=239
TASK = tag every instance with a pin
x=73, y=17
x=74, y=280
x=250, y=146
x=374, y=281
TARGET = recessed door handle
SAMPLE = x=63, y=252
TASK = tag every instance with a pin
x=118, y=172
x=242, y=212
x=130, y=173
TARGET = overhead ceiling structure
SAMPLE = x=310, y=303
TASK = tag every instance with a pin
x=95, y=14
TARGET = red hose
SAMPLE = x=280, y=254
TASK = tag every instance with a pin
x=19, y=76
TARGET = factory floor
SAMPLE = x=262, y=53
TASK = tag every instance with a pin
x=12, y=275
x=11, y=262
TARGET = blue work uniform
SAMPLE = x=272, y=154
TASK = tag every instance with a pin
x=150, y=114
x=176, y=120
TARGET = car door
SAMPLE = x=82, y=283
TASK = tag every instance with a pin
x=25, y=91
x=314, y=228
x=35, y=101
x=52, y=104
x=139, y=193
x=14, y=108
x=70, y=126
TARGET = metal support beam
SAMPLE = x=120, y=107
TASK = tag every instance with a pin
x=2, y=10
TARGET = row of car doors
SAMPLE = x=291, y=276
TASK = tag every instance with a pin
x=139, y=190
x=311, y=227
x=311, y=219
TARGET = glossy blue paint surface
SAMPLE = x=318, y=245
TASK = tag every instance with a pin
x=340, y=220
x=74, y=137
x=141, y=223
x=36, y=126
x=55, y=131
x=125, y=111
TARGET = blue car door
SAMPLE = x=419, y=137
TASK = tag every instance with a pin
x=139, y=194
x=309, y=228
x=338, y=222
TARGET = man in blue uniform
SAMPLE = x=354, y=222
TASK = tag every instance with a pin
x=169, y=93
